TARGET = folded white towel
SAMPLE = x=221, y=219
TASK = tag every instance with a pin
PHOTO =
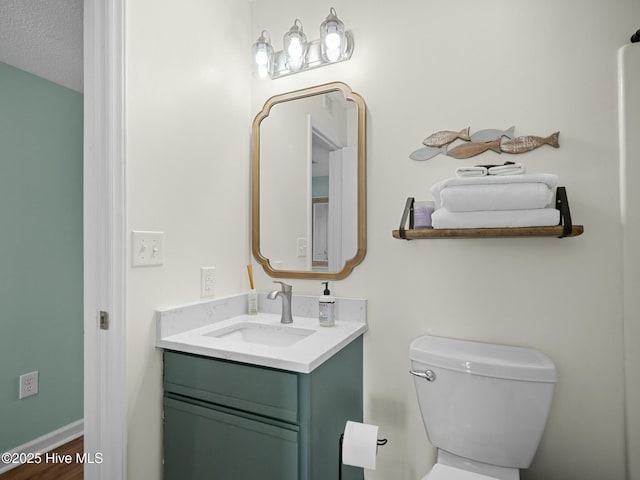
x=471, y=171
x=540, y=217
x=550, y=180
x=498, y=196
x=507, y=169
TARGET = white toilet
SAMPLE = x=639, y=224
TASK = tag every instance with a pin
x=484, y=406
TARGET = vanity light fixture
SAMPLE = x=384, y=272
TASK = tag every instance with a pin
x=335, y=45
x=262, y=53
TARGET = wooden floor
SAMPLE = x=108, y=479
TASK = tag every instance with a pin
x=51, y=470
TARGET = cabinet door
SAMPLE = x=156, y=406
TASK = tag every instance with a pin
x=263, y=391
x=204, y=443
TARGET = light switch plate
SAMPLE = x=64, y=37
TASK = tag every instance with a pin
x=301, y=247
x=147, y=248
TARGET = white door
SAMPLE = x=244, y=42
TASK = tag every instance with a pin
x=343, y=207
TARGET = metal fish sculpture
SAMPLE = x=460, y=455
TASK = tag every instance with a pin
x=528, y=143
x=490, y=135
x=425, y=153
x=445, y=137
x=467, y=150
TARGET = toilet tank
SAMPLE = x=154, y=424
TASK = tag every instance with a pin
x=485, y=402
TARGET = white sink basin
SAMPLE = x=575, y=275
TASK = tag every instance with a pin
x=263, y=334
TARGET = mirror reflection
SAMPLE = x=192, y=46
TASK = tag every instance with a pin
x=308, y=172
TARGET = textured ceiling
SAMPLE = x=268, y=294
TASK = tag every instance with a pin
x=43, y=37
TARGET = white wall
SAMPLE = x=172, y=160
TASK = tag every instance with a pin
x=542, y=66
x=188, y=129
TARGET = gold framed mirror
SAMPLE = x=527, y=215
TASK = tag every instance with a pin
x=309, y=144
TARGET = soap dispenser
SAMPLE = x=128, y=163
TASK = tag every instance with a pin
x=326, y=308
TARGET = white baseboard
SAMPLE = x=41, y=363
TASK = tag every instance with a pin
x=46, y=442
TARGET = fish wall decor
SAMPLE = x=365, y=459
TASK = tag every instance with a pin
x=490, y=135
x=498, y=141
x=528, y=143
x=445, y=137
x=471, y=149
x=425, y=153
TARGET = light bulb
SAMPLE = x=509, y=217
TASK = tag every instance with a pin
x=332, y=37
x=332, y=40
x=295, y=53
x=262, y=53
x=333, y=54
x=262, y=58
x=295, y=48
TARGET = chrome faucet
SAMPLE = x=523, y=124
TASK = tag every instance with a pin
x=285, y=294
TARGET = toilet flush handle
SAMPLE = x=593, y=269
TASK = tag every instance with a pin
x=428, y=375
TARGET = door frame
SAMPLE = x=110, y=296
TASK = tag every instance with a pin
x=104, y=240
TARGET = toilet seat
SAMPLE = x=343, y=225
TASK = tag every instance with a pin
x=444, y=472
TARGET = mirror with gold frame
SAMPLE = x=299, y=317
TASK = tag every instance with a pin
x=308, y=183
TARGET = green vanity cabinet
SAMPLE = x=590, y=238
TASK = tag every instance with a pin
x=225, y=420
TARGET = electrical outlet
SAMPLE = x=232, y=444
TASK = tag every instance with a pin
x=28, y=385
x=207, y=281
x=147, y=248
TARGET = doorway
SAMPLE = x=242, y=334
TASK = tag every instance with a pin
x=41, y=149
x=103, y=241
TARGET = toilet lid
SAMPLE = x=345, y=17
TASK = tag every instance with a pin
x=444, y=472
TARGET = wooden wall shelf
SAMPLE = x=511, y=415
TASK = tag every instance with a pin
x=565, y=229
x=422, y=233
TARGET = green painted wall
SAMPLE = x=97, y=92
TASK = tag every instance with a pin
x=40, y=254
x=319, y=187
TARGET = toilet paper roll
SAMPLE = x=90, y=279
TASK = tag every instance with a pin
x=360, y=445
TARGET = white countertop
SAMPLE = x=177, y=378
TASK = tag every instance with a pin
x=303, y=356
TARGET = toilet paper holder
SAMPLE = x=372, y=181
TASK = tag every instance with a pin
x=380, y=442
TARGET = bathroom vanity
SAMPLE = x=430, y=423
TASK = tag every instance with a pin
x=240, y=421
x=271, y=406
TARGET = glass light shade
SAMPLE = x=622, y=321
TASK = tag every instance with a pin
x=295, y=47
x=332, y=37
x=262, y=53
